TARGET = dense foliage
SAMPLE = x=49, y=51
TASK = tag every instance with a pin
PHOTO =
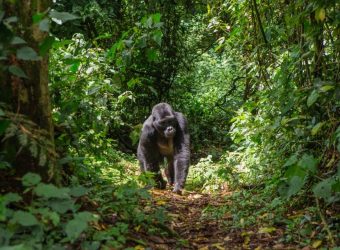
x=258, y=81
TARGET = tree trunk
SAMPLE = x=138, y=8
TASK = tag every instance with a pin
x=29, y=96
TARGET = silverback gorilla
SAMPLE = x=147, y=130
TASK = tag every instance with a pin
x=165, y=134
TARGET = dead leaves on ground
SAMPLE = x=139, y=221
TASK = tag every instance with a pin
x=191, y=230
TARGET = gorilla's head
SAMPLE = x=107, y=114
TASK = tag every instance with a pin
x=164, y=120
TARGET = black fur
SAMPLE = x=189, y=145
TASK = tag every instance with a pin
x=165, y=134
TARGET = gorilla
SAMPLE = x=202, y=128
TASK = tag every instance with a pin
x=165, y=135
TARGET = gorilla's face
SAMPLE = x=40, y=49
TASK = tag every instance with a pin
x=166, y=126
x=164, y=120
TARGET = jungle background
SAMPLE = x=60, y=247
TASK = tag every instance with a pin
x=258, y=81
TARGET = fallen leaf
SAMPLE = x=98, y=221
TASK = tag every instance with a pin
x=204, y=248
x=156, y=191
x=278, y=246
x=99, y=226
x=218, y=246
x=246, y=241
x=320, y=14
x=317, y=243
x=137, y=228
x=197, y=196
x=263, y=230
x=246, y=233
x=173, y=215
x=161, y=202
x=227, y=238
x=156, y=239
x=263, y=215
x=139, y=247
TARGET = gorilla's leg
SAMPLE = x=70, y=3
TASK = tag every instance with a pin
x=181, y=165
x=160, y=182
x=154, y=168
x=170, y=171
x=141, y=165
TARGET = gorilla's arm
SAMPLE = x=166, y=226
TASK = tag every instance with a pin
x=148, y=146
x=148, y=152
x=182, y=152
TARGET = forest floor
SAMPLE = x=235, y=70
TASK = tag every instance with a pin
x=192, y=229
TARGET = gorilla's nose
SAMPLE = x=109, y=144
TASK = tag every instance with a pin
x=170, y=129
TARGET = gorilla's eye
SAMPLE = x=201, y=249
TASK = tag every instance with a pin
x=167, y=122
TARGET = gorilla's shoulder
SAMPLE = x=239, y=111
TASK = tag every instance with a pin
x=182, y=121
x=148, y=128
x=181, y=118
x=148, y=123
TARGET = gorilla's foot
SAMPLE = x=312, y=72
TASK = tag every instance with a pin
x=161, y=184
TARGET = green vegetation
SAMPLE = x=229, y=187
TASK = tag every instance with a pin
x=257, y=80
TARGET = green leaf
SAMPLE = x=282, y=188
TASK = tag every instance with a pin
x=295, y=171
x=85, y=216
x=337, y=132
x=11, y=197
x=44, y=25
x=15, y=70
x=30, y=179
x=317, y=127
x=2, y=14
x=132, y=83
x=74, y=228
x=46, y=45
x=152, y=55
x=142, y=41
x=308, y=162
x=27, y=53
x=128, y=43
x=24, y=218
x=153, y=90
x=15, y=247
x=78, y=191
x=62, y=17
x=4, y=124
x=312, y=98
x=296, y=179
x=320, y=14
x=94, y=90
x=292, y=160
x=93, y=245
x=38, y=17
x=156, y=17
x=62, y=206
x=47, y=214
x=148, y=22
x=55, y=218
x=324, y=188
x=17, y=40
x=51, y=191
x=295, y=185
x=11, y=19
x=74, y=67
x=157, y=37
x=336, y=185
x=325, y=88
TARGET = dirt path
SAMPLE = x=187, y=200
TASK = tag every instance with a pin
x=195, y=231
